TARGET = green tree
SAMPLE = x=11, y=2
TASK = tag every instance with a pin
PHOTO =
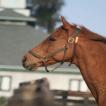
x=46, y=12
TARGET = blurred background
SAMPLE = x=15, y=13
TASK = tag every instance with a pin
x=25, y=23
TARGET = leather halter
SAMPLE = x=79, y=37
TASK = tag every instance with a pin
x=73, y=39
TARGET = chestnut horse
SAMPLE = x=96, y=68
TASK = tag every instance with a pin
x=76, y=44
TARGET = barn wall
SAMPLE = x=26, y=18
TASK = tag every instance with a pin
x=58, y=80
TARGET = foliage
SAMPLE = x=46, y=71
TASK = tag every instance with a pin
x=46, y=12
x=2, y=101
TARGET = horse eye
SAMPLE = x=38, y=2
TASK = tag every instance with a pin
x=52, y=39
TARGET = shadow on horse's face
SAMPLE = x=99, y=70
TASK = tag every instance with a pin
x=56, y=48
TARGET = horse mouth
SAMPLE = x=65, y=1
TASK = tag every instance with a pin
x=36, y=66
x=31, y=67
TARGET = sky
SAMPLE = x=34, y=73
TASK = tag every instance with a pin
x=89, y=13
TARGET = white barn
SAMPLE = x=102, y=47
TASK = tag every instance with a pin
x=68, y=78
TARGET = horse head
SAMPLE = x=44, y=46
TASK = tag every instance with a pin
x=57, y=47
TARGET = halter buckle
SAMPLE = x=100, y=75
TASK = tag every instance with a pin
x=71, y=40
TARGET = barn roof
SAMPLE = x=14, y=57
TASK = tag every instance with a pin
x=16, y=37
x=11, y=15
x=15, y=40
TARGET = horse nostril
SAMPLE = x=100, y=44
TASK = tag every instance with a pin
x=24, y=59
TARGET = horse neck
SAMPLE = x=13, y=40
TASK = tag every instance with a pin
x=90, y=55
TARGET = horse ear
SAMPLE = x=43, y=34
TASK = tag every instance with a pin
x=66, y=24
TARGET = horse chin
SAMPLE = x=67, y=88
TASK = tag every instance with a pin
x=36, y=66
x=33, y=67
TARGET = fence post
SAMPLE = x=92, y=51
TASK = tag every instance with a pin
x=64, y=99
x=86, y=101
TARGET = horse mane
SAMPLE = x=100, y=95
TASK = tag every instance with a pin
x=92, y=35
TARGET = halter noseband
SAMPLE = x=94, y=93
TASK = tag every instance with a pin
x=73, y=39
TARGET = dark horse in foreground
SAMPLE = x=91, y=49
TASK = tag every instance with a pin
x=33, y=93
x=76, y=44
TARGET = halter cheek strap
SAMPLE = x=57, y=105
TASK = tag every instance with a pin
x=73, y=39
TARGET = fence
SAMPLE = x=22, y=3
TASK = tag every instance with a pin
x=70, y=98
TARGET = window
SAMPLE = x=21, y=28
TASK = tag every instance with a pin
x=83, y=86
x=13, y=3
x=74, y=85
x=5, y=83
x=77, y=85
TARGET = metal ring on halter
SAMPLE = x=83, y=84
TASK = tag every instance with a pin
x=71, y=40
